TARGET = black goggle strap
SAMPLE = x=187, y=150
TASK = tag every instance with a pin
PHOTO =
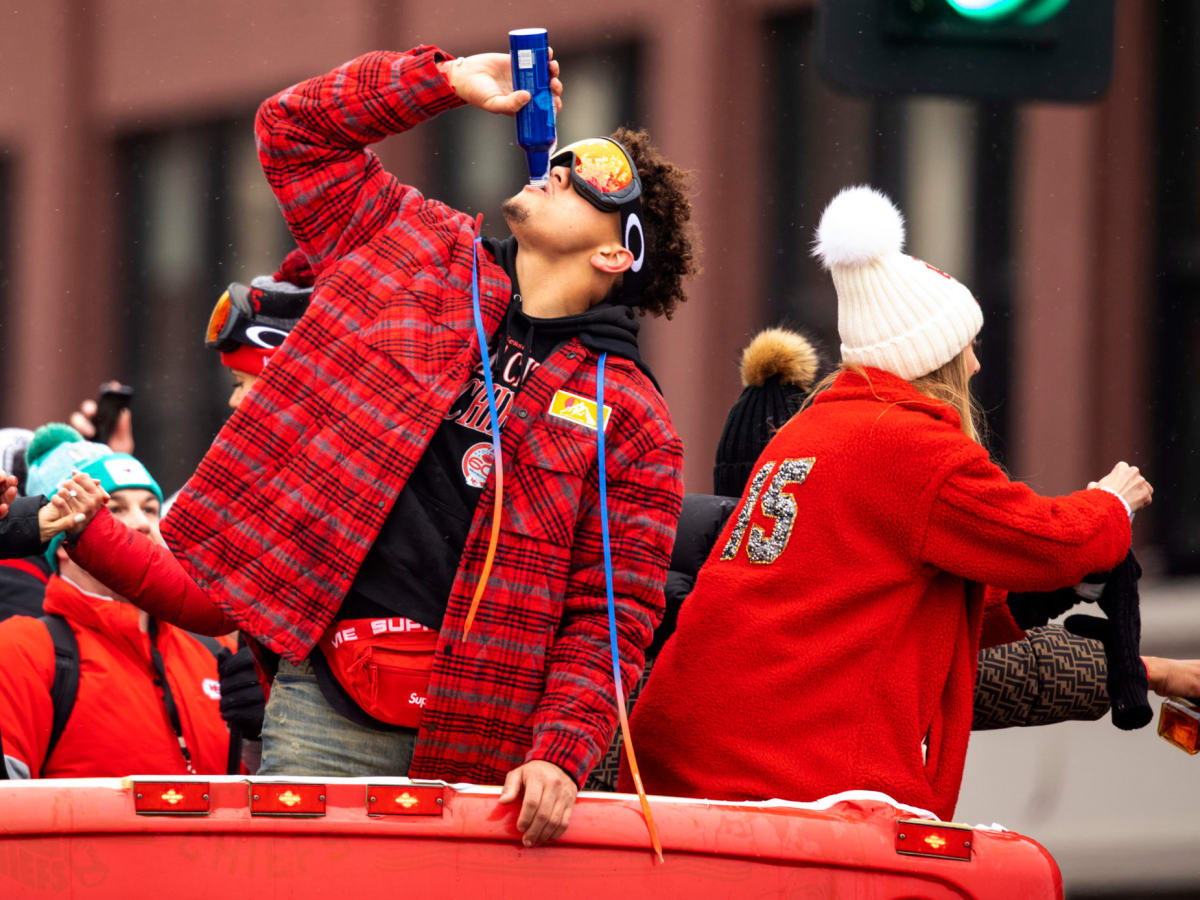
x=633, y=239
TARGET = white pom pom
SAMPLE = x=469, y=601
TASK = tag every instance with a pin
x=859, y=225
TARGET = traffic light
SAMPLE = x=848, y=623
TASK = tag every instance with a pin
x=995, y=49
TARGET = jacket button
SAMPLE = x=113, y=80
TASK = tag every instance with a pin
x=570, y=354
x=522, y=414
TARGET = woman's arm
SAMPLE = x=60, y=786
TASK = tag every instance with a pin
x=146, y=574
x=987, y=528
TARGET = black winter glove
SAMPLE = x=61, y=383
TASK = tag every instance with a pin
x=1121, y=634
x=1033, y=609
x=242, y=701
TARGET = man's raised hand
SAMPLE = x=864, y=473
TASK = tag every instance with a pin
x=485, y=80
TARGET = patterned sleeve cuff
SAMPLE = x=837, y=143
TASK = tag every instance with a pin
x=567, y=748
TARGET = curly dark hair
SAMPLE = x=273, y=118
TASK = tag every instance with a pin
x=671, y=245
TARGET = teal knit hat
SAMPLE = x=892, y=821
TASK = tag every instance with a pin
x=57, y=450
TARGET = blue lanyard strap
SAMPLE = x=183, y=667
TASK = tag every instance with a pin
x=497, y=461
x=493, y=415
x=608, y=573
x=619, y=691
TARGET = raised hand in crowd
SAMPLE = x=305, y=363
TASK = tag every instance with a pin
x=1127, y=483
x=8, y=492
x=485, y=80
x=83, y=420
x=78, y=500
x=549, y=798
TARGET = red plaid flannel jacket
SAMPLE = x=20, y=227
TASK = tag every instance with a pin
x=291, y=495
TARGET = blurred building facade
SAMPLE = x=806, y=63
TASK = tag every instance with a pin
x=130, y=196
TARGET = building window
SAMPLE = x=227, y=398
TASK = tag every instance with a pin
x=6, y=265
x=948, y=165
x=197, y=215
x=1175, y=366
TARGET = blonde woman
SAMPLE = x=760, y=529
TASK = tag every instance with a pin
x=831, y=639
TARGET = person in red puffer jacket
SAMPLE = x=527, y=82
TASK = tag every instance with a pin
x=830, y=643
x=147, y=696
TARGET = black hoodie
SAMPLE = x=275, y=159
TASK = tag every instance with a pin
x=410, y=569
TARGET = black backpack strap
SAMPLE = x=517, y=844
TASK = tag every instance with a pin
x=66, y=677
x=211, y=644
x=233, y=759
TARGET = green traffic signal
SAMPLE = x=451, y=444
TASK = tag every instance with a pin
x=1023, y=12
x=997, y=49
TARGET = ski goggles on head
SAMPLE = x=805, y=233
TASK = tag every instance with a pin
x=603, y=173
x=246, y=315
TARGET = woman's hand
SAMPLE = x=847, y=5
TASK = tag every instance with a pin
x=79, y=498
x=54, y=518
x=485, y=80
x=1127, y=482
x=1173, y=677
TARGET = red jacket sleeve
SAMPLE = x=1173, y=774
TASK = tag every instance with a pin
x=146, y=574
x=989, y=529
x=312, y=141
x=26, y=712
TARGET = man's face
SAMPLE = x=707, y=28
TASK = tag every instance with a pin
x=138, y=508
x=555, y=219
x=242, y=382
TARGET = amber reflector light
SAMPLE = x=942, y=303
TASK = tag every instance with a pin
x=171, y=798
x=405, y=800
x=943, y=840
x=287, y=799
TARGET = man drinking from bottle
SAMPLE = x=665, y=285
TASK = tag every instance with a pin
x=436, y=612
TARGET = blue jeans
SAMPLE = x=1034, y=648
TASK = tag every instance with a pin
x=304, y=735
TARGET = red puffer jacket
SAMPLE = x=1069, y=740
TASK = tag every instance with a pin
x=282, y=510
x=118, y=725
x=830, y=643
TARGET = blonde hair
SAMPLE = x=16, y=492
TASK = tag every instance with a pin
x=948, y=383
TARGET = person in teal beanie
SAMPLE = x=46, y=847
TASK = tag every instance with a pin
x=58, y=450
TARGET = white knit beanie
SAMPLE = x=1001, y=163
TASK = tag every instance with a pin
x=895, y=312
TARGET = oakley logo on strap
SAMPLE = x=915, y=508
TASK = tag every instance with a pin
x=263, y=336
x=635, y=241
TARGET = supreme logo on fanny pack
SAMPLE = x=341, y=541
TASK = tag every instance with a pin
x=356, y=629
x=384, y=665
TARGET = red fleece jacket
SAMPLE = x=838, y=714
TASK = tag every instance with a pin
x=836, y=624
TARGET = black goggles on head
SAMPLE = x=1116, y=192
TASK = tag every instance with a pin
x=254, y=316
x=603, y=173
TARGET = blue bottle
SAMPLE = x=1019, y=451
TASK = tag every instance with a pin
x=529, y=49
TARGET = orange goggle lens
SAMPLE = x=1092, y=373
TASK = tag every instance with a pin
x=602, y=164
x=218, y=319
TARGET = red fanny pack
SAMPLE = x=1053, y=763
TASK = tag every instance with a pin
x=384, y=665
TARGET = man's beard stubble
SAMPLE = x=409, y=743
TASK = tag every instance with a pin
x=514, y=211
